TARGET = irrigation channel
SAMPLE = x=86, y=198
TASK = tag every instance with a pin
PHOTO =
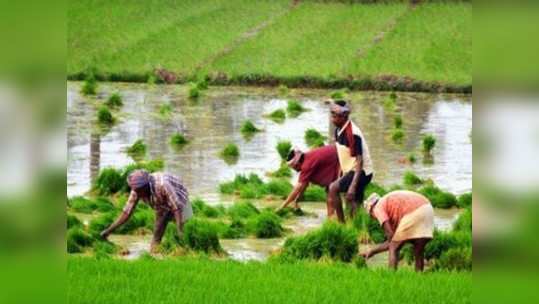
x=215, y=120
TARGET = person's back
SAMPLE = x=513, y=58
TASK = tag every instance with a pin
x=396, y=204
x=320, y=166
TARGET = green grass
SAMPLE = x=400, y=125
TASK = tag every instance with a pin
x=138, y=37
x=425, y=46
x=314, y=39
x=190, y=280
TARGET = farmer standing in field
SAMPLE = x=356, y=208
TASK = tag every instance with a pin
x=319, y=166
x=354, y=159
x=406, y=216
x=164, y=193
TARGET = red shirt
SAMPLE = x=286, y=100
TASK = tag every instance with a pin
x=320, y=166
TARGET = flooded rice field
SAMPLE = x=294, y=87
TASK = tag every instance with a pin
x=216, y=118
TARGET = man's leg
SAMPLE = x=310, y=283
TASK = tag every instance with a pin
x=364, y=181
x=419, y=253
x=335, y=200
x=394, y=250
x=161, y=221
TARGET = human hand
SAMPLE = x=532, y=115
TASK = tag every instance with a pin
x=104, y=234
x=366, y=254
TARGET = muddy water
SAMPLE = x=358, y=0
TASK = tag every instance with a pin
x=216, y=119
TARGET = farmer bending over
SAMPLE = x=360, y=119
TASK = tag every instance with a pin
x=406, y=216
x=319, y=166
x=354, y=160
x=164, y=193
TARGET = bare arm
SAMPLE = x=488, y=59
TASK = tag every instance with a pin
x=124, y=216
x=385, y=245
x=294, y=195
x=351, y=193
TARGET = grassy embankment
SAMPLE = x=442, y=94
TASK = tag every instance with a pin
x=331, y=45
x=188, y=280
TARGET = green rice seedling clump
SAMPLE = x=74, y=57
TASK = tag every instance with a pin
x=314, y=193
x=248, y=128
x=459, y=259
x=397, y=121
x=77, y=239
x=89, y=86
x=104, y=116
x=235, y=230
x=267, y=225
x=141, y=218
x=202, y=84
x=103, y=204
x=410, y=179
x=283, y=148
x=465, y=200
x=102, y=222
x=200, y=208
x=242, y=210
x=194, y=91
x=201, y=235
x=72, y=222
x=109, y=181
x=428, y=142
x=337, y=95
x=178, y=139
x=359, y=262
x=171, y=240
x=284, y=171
x=231, y=151
x=278, y=115
x=412, y=158
x=368, y=225
x=443, y=241
x=373, y=187
x=397, y=135
x=313, y=138
x=114, y=100
x=165, y=110
x=137, y=149
x=333, y=240
x=279, y=187
x=82, y=204
x=437, y=197
x=464, y=221
x=294, y=108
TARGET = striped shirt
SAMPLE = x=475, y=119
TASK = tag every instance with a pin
x=350, y=143
x=167, y=194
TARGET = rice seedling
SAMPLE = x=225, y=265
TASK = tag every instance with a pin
x=248, y=128
x=102, y=222
x=294, y=108
x=178, y=140
x=465, y=200
x=364, y=223
x=200, y=208
x=109, y=181
x=284, y=171
x=313, y=138
x=428, y=142
x=277, y=116
x=279, y=188
x=194, y=91
x=82, y=204
x=104, y=116
x=114, y=100
x=202, y=85
x=359, y=262
x=165, y=110
x=314, y=193
x=338, y=95
x=201, y=235
x=271, y=279
x=267, y=225
x=374, y=187
x=412, y=158
x=242, y=210
x=170, y=240
x=230, y=153
x=332, y=240
x=397, y=121
x=137, y=149
x=459, y=259
x=89, y=86
x=464, y=221
x=411, y=180
x=283, y=148
x=72, y=222
x=397, y=135
x=77, y=240
x=438, y=197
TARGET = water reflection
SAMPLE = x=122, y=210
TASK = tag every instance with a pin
x=216, y=119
